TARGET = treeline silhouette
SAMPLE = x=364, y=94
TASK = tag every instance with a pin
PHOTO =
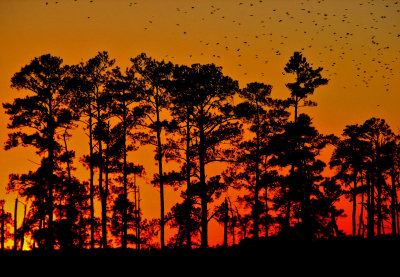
x=193, y=116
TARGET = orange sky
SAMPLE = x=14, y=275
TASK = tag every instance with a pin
x=356, y=42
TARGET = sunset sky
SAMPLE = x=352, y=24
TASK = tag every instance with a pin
x=356, y=42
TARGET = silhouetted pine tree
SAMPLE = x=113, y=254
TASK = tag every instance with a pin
x=95, y=98
x=126, y=91
x=154, y=76
x=380, y=141
x=299, y=147
x=348, y=158
x=182, y=96
x=83, y=103
x=264, y=117
x=306, y=81
x=38, y=117
x=213, y=124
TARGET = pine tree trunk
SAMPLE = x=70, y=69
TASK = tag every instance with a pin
x=23, y=230
x=69, y=242
x=334, y=224
x=106, y=180
x=15, y=224
x=68, y=162
x=91, y=181
x=371, y=208
x=393, y=203
x=256, y=207
x=160, y=173
x=354, y=203
x=103, y=196
x=266, y=212
x=50, y=204
x=125, y=178
x=288, y=203
x=188, y=194
x=361, y=219
x=136, y=214
x=226, y=218
x=233, y=227
x=138, y=217
x=203, y=190
x=309, y=230
x=379, y=203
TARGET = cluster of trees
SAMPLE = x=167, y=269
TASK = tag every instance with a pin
x=193, y=116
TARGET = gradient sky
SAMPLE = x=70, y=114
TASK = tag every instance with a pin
x=356, y=42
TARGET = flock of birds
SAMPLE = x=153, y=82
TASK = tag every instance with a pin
x=363, y=36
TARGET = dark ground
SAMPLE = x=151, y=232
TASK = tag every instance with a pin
x=283, y=257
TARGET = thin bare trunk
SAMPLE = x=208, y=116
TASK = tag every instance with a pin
x=361, y=219
x=371, y=207
x=189, y=197
x=103, y=196
x=15, y=224
x=160, y=173
x=50, y=204
x=380, y=184
x=256, y=208
x=394, y=202
x=125, y=179
x=354, y=223
x=226, y=223
x=91, y=181
x=23, y=230
x=203, y=190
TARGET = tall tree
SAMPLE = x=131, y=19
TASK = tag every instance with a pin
x=93, y=103
x=298, y=147
x=379, y=139
x=83, y=103
x=256, y=97
x=264, y=117
x=181, y=95
x=154, y=76
x=306, y=81
x=126, y=91
x=214, y=123
x=41, y=114
x=348, y=158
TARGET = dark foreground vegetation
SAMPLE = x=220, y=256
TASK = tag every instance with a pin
x=262, y=247
x=194, y=117
x=288, y=256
